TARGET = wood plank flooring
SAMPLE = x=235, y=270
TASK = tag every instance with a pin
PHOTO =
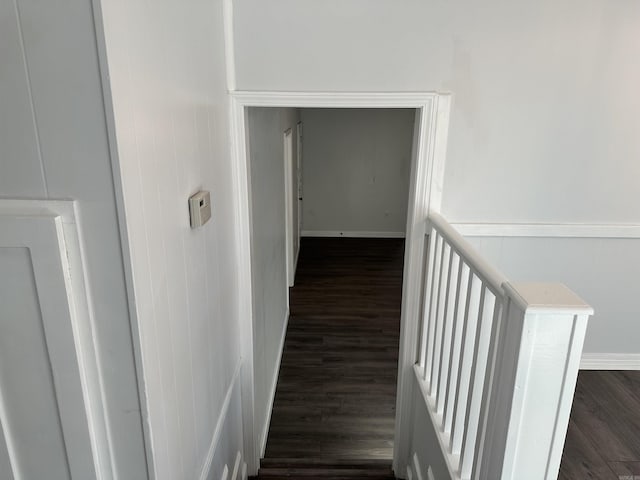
x=335, y=398
x=603, y=440
x=290, y=469
x=336, y=391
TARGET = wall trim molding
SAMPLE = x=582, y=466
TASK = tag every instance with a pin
x=335, y=99
x=360, y=234
x=274, y=384
x=127, y=266
x=224, y=411
x=82, y=320
x=229, y=49
x=236, y=466
x=548, y=230
x=409, y=473
x=610, y=361
x=416, y=467
x=425, y=193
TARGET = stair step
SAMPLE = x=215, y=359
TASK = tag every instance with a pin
x=322, y=469
x=324, y=477
x=325, y=462
x=319, y=471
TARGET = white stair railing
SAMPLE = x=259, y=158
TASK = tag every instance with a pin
x=497, y=363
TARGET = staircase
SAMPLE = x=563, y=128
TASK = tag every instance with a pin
x=316, y=469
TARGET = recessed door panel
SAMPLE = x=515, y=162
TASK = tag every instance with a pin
x=45, y=431
x=5, y=463
x=29, y=412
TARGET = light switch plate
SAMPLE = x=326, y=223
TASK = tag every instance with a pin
x=200, y=208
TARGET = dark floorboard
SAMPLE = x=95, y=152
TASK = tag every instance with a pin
x=336, y=390
x=335, y=397
x=603, y=439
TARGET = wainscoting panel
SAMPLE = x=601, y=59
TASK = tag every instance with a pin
x=600, y=262
x=225, y=459
x=45, y=396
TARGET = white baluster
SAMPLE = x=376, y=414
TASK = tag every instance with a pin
x=454, y=363
x=440, y=317
x=488, y=380
x=483, y=337
x=445, y=354
x=466, y=359
x=426, y=295
x=433, y=307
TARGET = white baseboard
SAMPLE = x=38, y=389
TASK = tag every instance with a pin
x=409, y=473
x=336, y=233
x=224, y=413
x=610, y=361
x=237, y=467
x=274, y=383
x=416, y=467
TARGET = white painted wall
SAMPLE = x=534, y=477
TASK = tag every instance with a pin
x=543, y=92
x=545, y=103
x=171, y=126
x=53, y=145
x=602, y=270
x=356, y=165
x=266, y=127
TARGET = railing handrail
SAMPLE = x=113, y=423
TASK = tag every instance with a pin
x=463, y=248
x=497, y=362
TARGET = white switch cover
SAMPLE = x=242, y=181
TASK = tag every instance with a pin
x=200, y=208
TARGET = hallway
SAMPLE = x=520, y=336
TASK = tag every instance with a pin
x=335, y=397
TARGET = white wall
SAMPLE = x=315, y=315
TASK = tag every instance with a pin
x=170, y=106
x=266, y=127
x=604, y=271
x=545, y=99
x=54, y=145
x=356, y=165
x=543, y=92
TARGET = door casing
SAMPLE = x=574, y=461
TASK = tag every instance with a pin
x=427, y=172
x=292, y=237
x=298, y=186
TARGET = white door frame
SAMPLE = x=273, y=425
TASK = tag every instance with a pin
x=427, y=171
x=289, y=229
x=298, y=179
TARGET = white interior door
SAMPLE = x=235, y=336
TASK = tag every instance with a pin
x=44, y=429
x=292, y=242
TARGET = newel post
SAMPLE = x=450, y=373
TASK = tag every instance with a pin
x=537, y=360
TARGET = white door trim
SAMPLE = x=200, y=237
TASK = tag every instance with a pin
x=298, y=197
x=288, y=206
x=427, y=171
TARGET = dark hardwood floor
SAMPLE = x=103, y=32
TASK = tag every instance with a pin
x=335, y=397
x=603, y=440
x=319, y=469
x=333, y=414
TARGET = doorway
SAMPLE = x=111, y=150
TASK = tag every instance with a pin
x=336, y=388
x=429, y=142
